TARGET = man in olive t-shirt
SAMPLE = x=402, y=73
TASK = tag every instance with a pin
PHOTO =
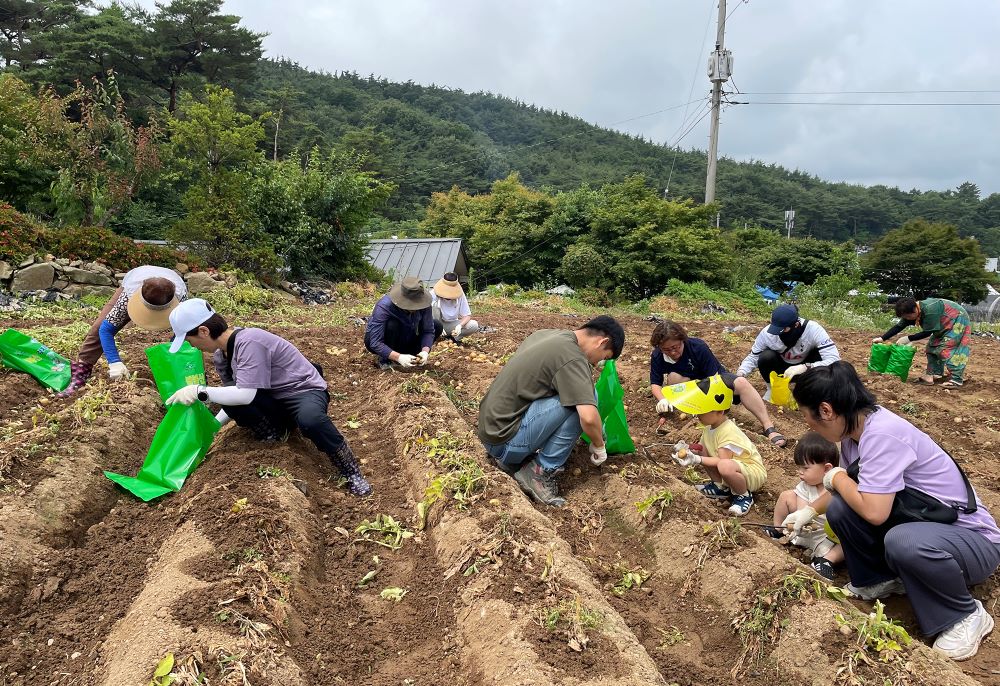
x=534, y=411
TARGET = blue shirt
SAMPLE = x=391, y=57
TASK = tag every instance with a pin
x=696, y=362
x=413, y=321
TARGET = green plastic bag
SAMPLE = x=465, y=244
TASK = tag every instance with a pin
x=26, y=354
x=612, y=410
x=173, y=372
x=180, y=444
x=900, y=360
x=879, y=357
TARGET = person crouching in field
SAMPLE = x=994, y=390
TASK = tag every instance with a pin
x=677, y=358
x=268, y=385
x=401, y=329
x=145, y=298
x=731, y=459
x=948, y=326
x=451, y=308
x=814, y=456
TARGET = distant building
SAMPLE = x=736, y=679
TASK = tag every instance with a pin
x=991, y=264
x=426, y=258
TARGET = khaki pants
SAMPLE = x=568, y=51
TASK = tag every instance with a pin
x=90, y=349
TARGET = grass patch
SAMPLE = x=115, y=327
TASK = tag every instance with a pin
x=574, y=619
x=463, y=480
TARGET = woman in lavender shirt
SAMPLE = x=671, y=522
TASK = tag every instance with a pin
x=933, y=563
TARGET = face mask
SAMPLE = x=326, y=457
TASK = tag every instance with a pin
x=668, y=359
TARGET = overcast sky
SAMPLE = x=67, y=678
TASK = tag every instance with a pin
x=609, y=61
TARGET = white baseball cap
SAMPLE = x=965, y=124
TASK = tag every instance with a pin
x=187, y=316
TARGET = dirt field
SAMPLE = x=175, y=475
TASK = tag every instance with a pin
x=254, y=572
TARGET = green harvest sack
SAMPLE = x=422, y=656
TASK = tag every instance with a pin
x=180, y=444
x=26, y=354
x=879, y=357
x=173, y=372
x=609, y=405
x=900, y=360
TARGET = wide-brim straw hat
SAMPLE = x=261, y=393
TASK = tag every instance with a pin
x=148, y=316
x=409, y=294
x=448, y=287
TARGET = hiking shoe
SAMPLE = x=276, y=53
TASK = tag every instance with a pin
x=823, y=567
x=540, y=484
x=710, y=490
x=962, y=640
x=883, y=589
x=741, y=505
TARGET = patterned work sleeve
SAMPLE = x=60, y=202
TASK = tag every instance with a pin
x=118, y=315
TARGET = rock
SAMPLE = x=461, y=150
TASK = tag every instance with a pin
x=200, y=282
x=27, y=261
x=36, y=277
x=60, y=284
x=119, y=276
x=63, y=262
x=231, y=280
x=49, y=257
x=181, y=268
x=6, y=271
x=83, y=289
x=87, y=276
x=98, y=268
x=561, y=290
x=76, y=263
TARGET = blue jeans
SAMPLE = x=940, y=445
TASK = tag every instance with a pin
x=547, y=428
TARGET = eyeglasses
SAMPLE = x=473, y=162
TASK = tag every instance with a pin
x=674, y=347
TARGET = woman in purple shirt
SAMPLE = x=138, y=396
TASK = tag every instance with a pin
x=933, y=563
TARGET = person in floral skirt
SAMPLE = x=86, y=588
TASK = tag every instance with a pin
x=946, y=324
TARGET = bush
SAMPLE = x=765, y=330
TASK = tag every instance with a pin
x=743, y=298
x=594, y=297
x=19, y=235
x=583, y=267
x=243, y=300
x=93, y=244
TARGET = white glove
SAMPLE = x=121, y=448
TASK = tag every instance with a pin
x=423, y=357
x=903, y=340
x=598, y=455
x=223, y=418
x=663, y=406
x=795, y=370
x=686, y=457
x=600, y=365
x=406, y=360
x=117, y=371
x=457, y=331
x=877, y=339
x=798, y=519
x=185, y=396
x=828, y=478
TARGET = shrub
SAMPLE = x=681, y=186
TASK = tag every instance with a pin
x=583, y=266
x=19, y=235
x=93, y=244
x=595, y=297
x=742, y=298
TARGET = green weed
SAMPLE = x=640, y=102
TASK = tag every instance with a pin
x=574, y=619
x=669, y=637
x=629, y=578
x=271, y=472
x=463, y=479
x=910, y=408
x=416, y=385
x=384, y=531
x=655, y=504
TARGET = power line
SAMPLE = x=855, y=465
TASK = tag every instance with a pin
x=694, y=79
x=864, y=92
x=865, y=104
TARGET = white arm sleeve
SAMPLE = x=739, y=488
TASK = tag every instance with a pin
x=828, y=352
x=231, y=395
x=750, y=361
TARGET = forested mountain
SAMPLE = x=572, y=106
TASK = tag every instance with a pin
x=429, y=138
x=422, y=139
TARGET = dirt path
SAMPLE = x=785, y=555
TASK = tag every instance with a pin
x=253, y=572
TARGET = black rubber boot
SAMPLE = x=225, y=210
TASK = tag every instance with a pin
x=345, y=461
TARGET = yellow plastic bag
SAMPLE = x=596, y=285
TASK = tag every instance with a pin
x=781, y=393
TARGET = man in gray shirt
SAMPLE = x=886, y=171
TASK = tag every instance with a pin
x=269, y=386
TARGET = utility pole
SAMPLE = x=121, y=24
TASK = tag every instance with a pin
x=789, y=222
x=720, y=67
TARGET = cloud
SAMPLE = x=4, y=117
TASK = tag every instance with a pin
x=606, y=62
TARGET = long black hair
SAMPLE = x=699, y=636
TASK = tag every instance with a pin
x=839, y=385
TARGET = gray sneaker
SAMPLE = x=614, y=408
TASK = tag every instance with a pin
x=882, y=589
x=540, y=484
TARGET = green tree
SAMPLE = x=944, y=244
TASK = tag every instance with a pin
x=314, y=210
x=23, y=22
x=584, y=267
x=803, y=260
x=191, y=42
x=214, y=147
x=923, y=259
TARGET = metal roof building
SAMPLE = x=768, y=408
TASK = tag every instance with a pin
x=426, y=258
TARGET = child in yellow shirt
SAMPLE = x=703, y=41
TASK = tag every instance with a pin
x=731, y=459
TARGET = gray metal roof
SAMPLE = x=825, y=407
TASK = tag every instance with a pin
x=426, y=258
